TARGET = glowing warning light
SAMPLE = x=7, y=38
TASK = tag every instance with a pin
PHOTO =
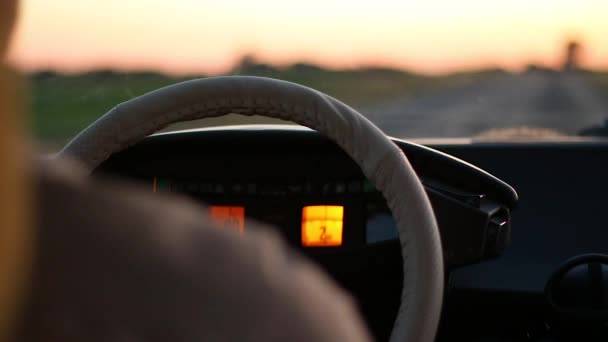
x=322, y=225
x=228, y=217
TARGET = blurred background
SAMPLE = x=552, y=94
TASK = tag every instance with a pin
x=418, y=69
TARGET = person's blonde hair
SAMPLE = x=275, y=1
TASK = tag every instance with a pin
x=15, y=212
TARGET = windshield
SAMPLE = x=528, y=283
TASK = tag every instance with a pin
x=417, y=69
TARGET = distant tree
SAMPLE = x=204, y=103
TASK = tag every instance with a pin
x=104, y=74
x=535, y=68
x=303, y=67
x=44, y=74
x=249, y=65
x=571, y=60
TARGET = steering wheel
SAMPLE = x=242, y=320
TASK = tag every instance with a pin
x=382, y=162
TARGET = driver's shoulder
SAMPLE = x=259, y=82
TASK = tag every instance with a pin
x=167, y=247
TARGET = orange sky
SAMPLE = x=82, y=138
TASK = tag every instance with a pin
x=184, y=36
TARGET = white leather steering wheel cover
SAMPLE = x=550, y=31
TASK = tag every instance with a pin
x=382, y=162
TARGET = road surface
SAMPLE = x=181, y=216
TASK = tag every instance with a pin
x=560, y=101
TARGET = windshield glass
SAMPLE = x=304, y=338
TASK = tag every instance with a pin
x=417, y=69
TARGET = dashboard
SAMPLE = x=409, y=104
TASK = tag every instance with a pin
x=300, y=181
x=498, y=251
x=562, y=188
x=317, y=197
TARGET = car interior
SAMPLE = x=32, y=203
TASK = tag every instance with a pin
x=447, y=238
x=501, y=255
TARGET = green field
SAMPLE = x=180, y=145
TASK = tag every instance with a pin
x=62, y=105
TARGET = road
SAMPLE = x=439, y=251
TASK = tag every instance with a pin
x=538, y=99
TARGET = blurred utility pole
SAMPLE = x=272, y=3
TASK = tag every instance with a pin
x=572, y=56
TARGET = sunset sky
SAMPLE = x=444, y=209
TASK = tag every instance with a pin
x=193, y=36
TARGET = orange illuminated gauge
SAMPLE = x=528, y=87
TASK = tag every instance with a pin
x=322, y=225
x=228, y=217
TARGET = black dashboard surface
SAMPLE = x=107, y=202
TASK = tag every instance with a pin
x=563, y=190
